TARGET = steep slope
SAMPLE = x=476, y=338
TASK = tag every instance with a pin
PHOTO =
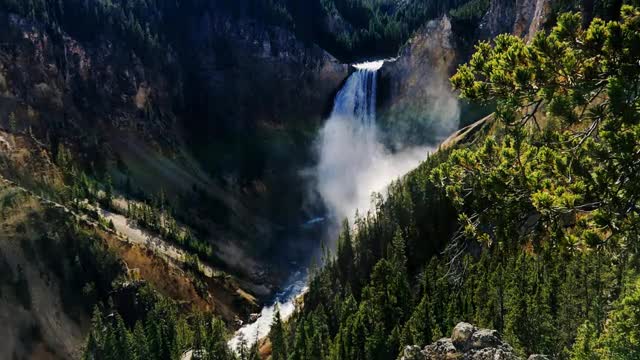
x=58, y=263
x=239, y=94
x=91, y=110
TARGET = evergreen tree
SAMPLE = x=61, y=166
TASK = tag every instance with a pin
x=586, y=343
x=277, y=337
x=140, y=341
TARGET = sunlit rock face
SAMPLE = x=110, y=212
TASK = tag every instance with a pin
x=521, y=17
x=416, y=103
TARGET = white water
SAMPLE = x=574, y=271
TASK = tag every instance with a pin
x=371, y=65
x=353, y=164
x=284, y=300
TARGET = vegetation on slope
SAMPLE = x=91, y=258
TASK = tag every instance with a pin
x=161, y=332
x=547, y=213
x=350, y=29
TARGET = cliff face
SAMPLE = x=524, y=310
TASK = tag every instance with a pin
x=415, y=98
x=521, y=17
x=51, y=80
x=416, y=102
x=252, y=74
x=149, y=125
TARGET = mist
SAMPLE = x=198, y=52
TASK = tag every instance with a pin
x=354, y=164
x=354, y=161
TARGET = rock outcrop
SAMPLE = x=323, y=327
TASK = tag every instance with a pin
x=467, y=342
x=416, y=102
x=521, y=18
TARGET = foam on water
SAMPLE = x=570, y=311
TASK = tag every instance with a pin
x=369, y=65
x=284, y=300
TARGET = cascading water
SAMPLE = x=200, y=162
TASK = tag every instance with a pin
x=284, y=300
x=355, y=103
x=352, y=164
x=352, y=161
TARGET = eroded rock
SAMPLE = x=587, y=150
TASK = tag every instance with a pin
x=462, y=334
x=467, y=342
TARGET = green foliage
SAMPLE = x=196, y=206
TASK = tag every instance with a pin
x=162, y=333
x=473, y=10
x=584, y=347
x=583, y=173
x=621, y=337
x=278, y=343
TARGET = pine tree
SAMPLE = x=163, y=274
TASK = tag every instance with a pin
x=586, y=343
x=345, y=257
x=13, y=123
x=123, y=341
x=277, y=337
x=216, y=344
x=141, y=343
x=243, y=349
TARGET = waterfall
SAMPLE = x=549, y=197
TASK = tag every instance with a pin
x=352, y=161
x=357, y=99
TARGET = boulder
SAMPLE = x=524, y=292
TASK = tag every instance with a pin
x=484, y=338
x=462, y=334
x=412, y=352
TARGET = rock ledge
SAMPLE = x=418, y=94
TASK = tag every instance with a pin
x=467, y=342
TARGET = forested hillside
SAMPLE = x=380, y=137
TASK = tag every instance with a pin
x=532, y=229
x=350, y=29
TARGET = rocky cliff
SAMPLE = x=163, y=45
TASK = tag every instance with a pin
x=252, y=74
x=521, y=17
x=416, y=103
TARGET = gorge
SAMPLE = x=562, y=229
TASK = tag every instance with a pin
x=378, y=171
